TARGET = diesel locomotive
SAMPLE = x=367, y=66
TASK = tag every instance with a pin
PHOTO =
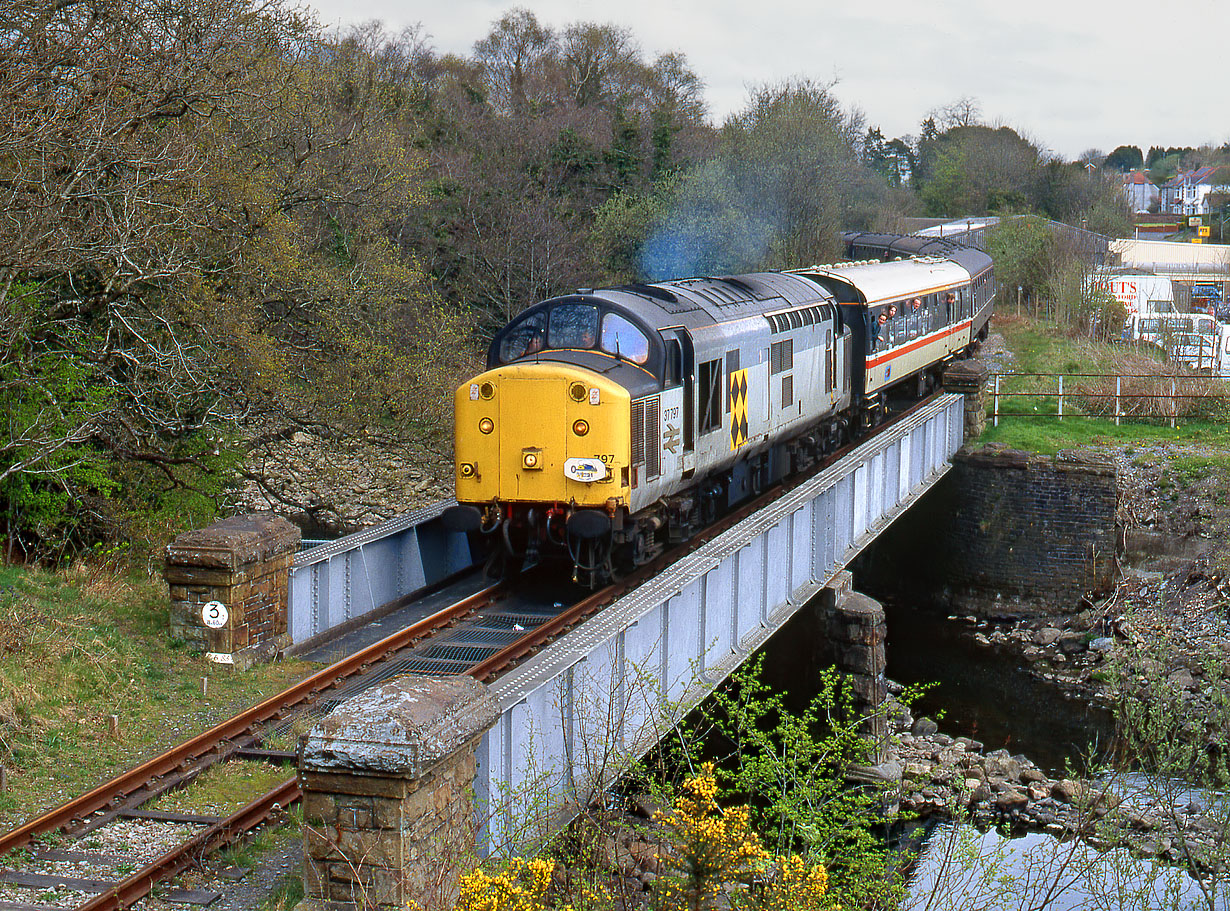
x=611, y=423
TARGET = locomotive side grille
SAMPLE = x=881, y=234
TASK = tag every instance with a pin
x=638, y=432
x=653, y=439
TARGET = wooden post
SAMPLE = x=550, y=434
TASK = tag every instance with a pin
x=1174, y=403
x=996, y=408
x=1118, y=391
x=1061, y=396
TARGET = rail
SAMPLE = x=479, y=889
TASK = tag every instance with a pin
x=1172, y=391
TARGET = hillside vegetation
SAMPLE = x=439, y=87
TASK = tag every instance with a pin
x=227, y=227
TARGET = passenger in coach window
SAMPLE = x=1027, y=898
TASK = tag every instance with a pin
x=914, y=319
x=881, y=339
x=950, y=302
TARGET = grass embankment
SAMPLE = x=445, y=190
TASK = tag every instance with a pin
x=78, y=646
x=1042, y=348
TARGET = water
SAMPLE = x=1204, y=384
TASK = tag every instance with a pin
x=986, y=693
x=962, y=868
x=980, y=692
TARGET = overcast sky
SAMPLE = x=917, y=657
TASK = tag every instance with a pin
x=1071, y=74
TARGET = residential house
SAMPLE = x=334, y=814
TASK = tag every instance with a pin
x=1140, y=191
x=1188, y=193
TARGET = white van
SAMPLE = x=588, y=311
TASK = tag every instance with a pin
x=1195, y=340
x=1159, y=327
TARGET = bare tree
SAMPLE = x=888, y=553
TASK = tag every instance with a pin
x=514, y=55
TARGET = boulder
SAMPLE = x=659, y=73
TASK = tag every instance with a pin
x=1046, y=636
x=1067, y=790
x=924, y=727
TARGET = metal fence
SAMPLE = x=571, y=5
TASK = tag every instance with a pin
x=1136, y=396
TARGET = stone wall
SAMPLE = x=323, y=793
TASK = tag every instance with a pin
x=243, y=564
x=854, y=635
x=969, y=378
x=1028, y=534
x=388, y=802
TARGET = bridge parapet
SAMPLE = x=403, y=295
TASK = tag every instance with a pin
x=575, y=715
x=350, y=578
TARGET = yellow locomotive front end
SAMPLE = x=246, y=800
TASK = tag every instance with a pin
x=543, y=454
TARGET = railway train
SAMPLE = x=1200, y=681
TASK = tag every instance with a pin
x=613, y=422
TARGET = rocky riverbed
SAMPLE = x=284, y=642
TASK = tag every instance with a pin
x=1163, y=630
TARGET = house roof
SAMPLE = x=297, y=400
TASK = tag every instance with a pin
x=1136, y=177
x=1193, y=177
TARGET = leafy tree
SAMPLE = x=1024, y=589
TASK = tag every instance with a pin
x=1125, y=158
x=1023, y=250
x=977, y=170
x=198, y=198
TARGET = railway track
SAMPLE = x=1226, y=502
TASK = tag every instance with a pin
x=457, y=639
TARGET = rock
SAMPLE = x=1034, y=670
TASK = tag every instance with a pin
x=1071, y=643
x=889, y=771
x=917, y=770
x=1143, y=821
x=1032, y=775
x=1032, y=653
x=924, y=727
x=980, y=794
x=1046, y=636
x=1067, y=790
x=1011, y=799
x=981, y=639
x=1037, y=792
x=1182, y=679
x=1003, y=767
x=645, y=806
x=1102, y=645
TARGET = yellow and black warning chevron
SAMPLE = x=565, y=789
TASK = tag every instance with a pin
x=738, y=409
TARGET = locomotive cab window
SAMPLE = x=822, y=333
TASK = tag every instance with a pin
x=573, y=326
x=674, y=362
x=524, y=338
x=620, y=337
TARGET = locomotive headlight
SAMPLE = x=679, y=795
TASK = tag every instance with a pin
x=486, y=425
x=580, y=428
x=466, y=469
x=531, y=459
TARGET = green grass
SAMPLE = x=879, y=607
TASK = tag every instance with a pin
x=247, y=853
x=1041, y=348
x=225, y=788
x=80, y=645
x=289, y=892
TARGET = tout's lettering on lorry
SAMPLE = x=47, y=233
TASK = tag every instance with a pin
x=1143, y=294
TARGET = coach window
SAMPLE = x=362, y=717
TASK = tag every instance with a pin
x=620, y=337
x=524, y=338
x=573, y=326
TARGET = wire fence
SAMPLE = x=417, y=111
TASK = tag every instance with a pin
x=1122, y=396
